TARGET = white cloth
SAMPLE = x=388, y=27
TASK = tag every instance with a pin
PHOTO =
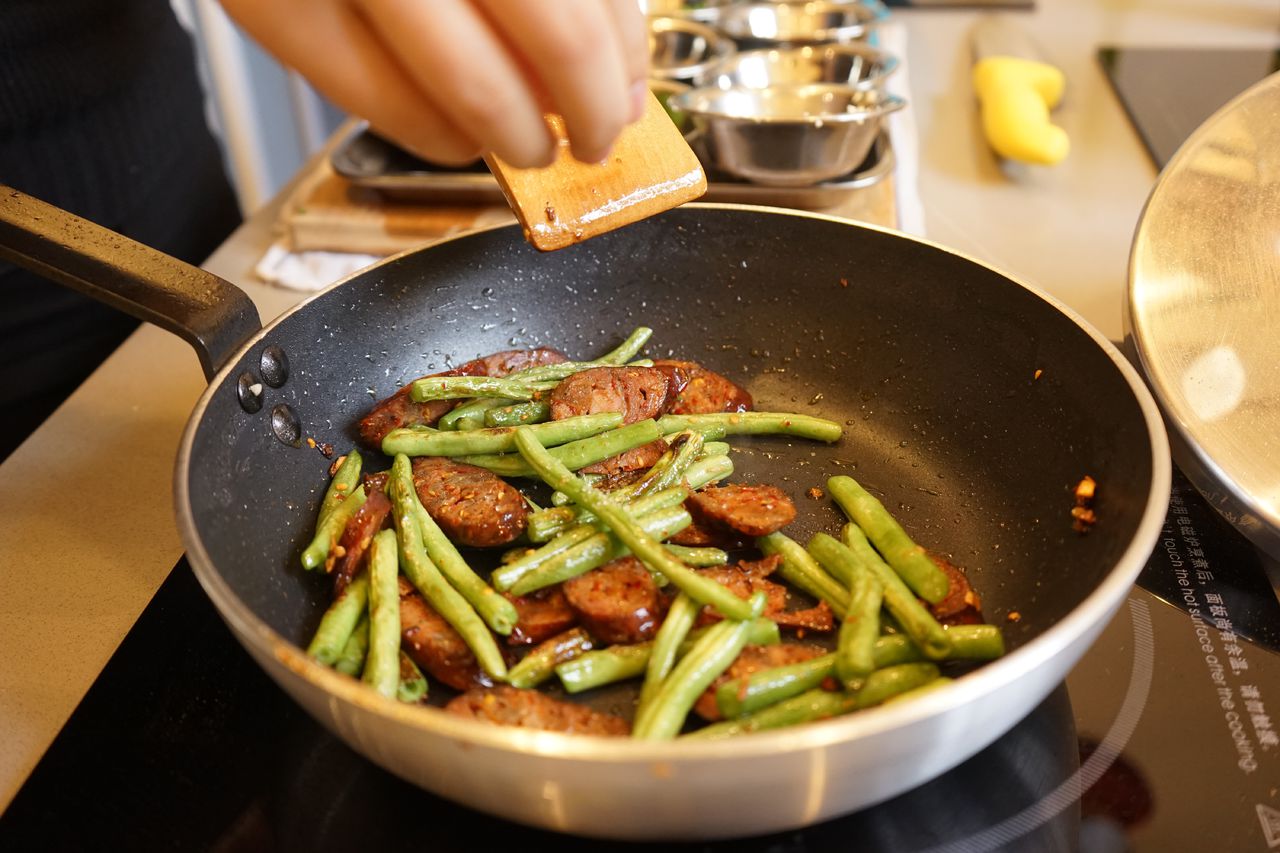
x=311, y=270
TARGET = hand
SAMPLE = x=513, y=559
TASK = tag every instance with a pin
x=452, y=79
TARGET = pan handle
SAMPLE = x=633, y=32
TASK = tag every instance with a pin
x=211, y=314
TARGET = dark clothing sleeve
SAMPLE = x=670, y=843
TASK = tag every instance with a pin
x=102, y=113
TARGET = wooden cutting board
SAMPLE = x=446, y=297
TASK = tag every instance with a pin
x=326, y=212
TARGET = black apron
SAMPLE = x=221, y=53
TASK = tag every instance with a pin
x=101, y=112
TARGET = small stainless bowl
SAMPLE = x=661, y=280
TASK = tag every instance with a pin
x=703, y=11
x=685, y=50
x=664, y=91
x=787, y=136
x=857, y=65
x=755, y=25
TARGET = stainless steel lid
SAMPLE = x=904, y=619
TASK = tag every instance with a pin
x=1203, y=310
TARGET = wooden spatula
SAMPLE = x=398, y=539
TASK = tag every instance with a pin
x=651, y=169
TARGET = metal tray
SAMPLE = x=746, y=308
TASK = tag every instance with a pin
x=367, y=160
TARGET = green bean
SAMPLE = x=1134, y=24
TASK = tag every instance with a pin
x=699, y=557
x=497, y=612
x=975, y=642
x=766, y=687
x=879, y=687
x=628, y=349
x=412, y=686
x=540, y=664
x=860, y=628
x=330, y=530
x=907, y=558
x=340, y=620
x=651, y=553
x=708, y=469
x=604, y=666
x=351, y=661
x=461, y=387
x=804, y=708
x=565, y=369
x=428, y=580
x=715, y=448
x=886, y=683
x=546, y=524
x=573, y=455
x=968, y=643
x=743, y=696
x=929, y=687
x=344, y=481
x=666, y=646
x=711, y=655
x=599, y=549
x=800, y=569
x=618, y=663
x=668, y=471
x=382, y=665
x=519, y=552
x=496, y=440
x=756, y=423
x=476, y=409
x=516, y=414
x=912, y=616
x=543, y=521
x=506, y=576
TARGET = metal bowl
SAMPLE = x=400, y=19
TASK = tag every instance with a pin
x=705, y=11
x=664, y=91
x=755, y=25
x=787, y=136
x=858, y=65
x=684, y=50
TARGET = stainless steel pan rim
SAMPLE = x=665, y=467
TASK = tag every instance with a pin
x=1092, y=613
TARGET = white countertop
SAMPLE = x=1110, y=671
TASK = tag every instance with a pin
x=86, y=524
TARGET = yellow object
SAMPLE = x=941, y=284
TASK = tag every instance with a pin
x=1016, y=96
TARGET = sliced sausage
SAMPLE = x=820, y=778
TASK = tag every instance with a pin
x=433, y=644
x=694, y=390
x=636, y=459
x=349, y=555
x=703, y=532
x=749, y=509
x=746, y=578
x=399, y=410
x=541, y=615
x=474, y=507
x=509, y=361
x=754, y=659
x=636, y=392
x=529, y=709
x=962, y=606
x=618, y=602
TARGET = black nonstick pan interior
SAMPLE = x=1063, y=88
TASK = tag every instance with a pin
x=971, y=405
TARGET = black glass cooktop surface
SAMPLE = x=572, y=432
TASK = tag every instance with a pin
x=1169, y=92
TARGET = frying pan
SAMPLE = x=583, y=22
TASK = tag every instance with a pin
x=972, y=403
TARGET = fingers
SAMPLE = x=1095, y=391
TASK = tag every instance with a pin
x=574, y=49
x=450, y=78
x=457, y=59
x=344, y=59
x=633, y=40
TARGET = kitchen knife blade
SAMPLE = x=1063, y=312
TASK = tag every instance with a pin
x=1016, y=89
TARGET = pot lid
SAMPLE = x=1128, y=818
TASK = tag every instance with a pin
x=1203, y=308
